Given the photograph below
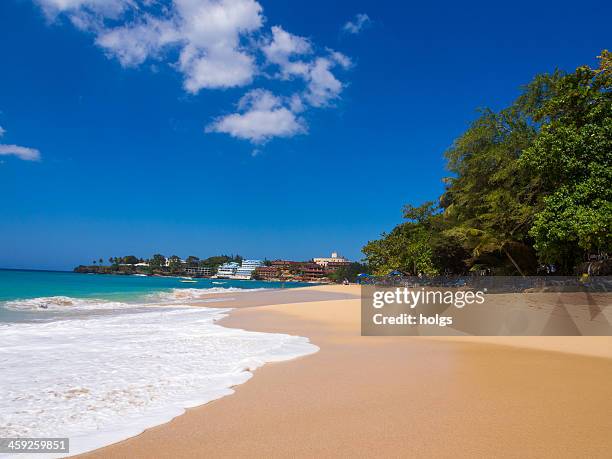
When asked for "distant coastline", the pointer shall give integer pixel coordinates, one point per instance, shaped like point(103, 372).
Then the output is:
point(83, 269)
point(333, 269)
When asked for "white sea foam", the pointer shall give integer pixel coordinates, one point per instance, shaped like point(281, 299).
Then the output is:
point(186, 294)
point(65, 303)
point(105, 378)
point(62, 303)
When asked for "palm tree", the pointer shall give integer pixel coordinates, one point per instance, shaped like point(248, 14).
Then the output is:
point(486, 241)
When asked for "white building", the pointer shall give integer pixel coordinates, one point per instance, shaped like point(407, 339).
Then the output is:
point(335, 260)
point(200, 271)
point(228, 270)
point(181, 261)
point(248, 268)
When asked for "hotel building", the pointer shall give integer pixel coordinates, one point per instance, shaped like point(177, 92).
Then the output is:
point(268, 272)
point(247, 269)
point(203, 271)
point(233, 270)
point(335, 261)
point(227, 270)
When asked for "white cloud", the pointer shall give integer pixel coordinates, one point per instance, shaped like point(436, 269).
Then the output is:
point(208, 34)
point(223, 68)
point(343, 60)
point(357, 24)
point(259, 126)
point(2, 131)
point(259, 99)
point(212, 56)
point(282, 47)
point(296, 103)
point(207, 23)
point(135, 43)
point(25, 153)
point(108, 8)
point(261, 116)
point(85, 14)
point(323, 86)
point(220, 44)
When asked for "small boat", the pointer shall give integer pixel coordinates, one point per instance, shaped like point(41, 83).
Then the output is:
point(188, 280)
point(220, 283)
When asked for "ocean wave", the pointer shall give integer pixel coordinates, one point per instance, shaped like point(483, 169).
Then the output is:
point(107, 378)
point(177, 295)
point(62, 303)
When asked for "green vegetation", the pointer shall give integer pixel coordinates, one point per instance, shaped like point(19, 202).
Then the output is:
point(530, 185)
point(158, 264)
point(349, 272)
point(216, 261)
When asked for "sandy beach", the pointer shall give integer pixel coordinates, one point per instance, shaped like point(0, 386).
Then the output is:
point(394, 396)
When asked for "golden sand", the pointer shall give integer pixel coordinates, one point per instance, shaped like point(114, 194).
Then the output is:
point(397, 396)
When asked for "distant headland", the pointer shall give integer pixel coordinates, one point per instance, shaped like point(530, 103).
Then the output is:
point(334, 268)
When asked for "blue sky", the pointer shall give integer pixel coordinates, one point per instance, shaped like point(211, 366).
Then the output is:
point(265, 128)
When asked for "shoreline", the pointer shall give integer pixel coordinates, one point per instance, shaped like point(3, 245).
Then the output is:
point(393, 395)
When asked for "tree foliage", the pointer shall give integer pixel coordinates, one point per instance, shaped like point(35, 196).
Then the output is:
point(532, 182)
point(349, 272)
point(572, 158)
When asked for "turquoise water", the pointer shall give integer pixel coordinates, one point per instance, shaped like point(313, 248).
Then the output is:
point(100, 358)
point(30, 285)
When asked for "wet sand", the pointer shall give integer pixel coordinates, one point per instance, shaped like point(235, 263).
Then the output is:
point(396, 396)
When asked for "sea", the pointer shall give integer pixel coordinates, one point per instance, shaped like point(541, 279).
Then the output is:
point(100, 358)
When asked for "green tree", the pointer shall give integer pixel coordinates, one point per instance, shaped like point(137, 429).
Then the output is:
point(174, 264)
point(529, 182)
point(130, 260)
point(489, 201)
point(572, 157)
point(158, 261)
point(349, 272)
point(214, 262)
point(192, 261)
point(407, 247)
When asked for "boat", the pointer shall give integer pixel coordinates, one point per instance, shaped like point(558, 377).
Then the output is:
point(188, 280)
point(219, 283)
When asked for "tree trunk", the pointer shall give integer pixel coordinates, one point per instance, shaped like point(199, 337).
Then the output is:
point(512, 260)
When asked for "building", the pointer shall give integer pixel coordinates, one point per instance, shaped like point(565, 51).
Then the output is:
point(180, 260)
point(267, 272)
point(312, 272)
point(286, 264)
point(203, 271)
point(333, 265)
point(228, 270)
point(247, 269)
point(335, 260)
